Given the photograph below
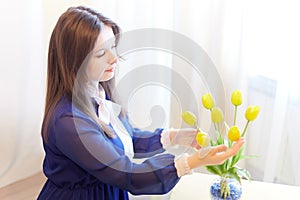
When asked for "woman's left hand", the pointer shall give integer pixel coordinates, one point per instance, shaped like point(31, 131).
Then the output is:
point(183, 137)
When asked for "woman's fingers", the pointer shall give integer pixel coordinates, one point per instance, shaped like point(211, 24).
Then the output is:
point(236, 147)
point(231, 151)
point(218, 154)
point(219, 149)
point(203, 152)
point(215, 155)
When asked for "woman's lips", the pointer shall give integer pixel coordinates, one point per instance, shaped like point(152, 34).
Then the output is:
point(110, 69)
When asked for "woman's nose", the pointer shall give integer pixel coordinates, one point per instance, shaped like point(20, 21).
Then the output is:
point(112, 58)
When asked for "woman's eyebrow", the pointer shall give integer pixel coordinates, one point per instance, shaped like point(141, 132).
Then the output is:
point(106, 46)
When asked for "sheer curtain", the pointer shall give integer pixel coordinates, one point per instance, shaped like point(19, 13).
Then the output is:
point(252, 44)
point(22, 89)
point(270, 49)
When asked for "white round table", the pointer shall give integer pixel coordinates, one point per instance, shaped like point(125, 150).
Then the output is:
point(197, 185)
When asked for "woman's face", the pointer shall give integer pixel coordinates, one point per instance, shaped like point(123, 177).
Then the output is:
point(103, 60)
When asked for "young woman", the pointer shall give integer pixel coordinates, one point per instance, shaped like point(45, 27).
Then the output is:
point(87, 138)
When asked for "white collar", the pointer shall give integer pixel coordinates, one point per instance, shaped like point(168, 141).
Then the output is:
point(109, 107)
point(109, 112)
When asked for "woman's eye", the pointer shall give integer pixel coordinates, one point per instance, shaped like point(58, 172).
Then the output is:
point(100, 54)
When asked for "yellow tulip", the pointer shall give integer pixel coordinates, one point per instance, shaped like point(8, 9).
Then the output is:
point(208, 101)
point(189, 118)
point(216, 115)
point(234, 133)
point(236, 98)
point(202, 139)
point(252, 112)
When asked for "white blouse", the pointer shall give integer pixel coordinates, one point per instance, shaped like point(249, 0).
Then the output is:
point(109, 112)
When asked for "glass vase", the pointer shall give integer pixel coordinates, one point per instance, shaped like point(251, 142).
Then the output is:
point(225, 189)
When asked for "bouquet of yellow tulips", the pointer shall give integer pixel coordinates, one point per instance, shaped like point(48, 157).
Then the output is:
point(228, 169)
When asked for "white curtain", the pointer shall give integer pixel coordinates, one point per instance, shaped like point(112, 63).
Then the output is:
point(270, 46)
point(252, 44)
point(22, 89)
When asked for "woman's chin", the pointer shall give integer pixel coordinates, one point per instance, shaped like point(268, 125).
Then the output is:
point(107, 76)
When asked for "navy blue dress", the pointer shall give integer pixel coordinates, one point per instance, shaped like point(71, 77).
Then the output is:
point(83, 163)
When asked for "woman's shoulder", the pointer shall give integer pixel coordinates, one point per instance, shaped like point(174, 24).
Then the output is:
point(63, 107)
point(68, 118)
point(66, 108)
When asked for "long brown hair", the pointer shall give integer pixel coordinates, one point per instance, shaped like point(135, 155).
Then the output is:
point(72, 40)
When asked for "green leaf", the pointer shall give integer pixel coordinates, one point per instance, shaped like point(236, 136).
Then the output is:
point(248, 156)
point(244, 173)
point(232, 170)
point(228, 163)
point(214, 169)
point(226, 126)
point(233, 173)
point(229, 143)
point(237, 157)
point(223, 167)
point(213, 143)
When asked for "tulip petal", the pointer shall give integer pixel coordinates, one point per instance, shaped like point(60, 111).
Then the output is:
point(216, 115)
point(208, 101)
point(202, 139)
point(236, 98)
point(252, 112)
point(234, 133)
point(189, 118)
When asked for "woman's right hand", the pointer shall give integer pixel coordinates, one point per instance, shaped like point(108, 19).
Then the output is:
point(215, 155)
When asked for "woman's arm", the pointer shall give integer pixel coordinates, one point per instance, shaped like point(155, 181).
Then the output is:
point(145, 143)
point(83, 142)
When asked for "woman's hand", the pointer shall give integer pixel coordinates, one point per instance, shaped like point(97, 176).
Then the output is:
point(215, 155)
point(184, 137)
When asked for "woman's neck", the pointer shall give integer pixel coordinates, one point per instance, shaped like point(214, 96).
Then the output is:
point(96, 89)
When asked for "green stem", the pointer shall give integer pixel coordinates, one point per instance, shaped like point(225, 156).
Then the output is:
point(244, 131)
point(215, 125)
point(198, 128)
point(225, 189)
point(229, 143)
point(235, 111)
point(226, 126)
